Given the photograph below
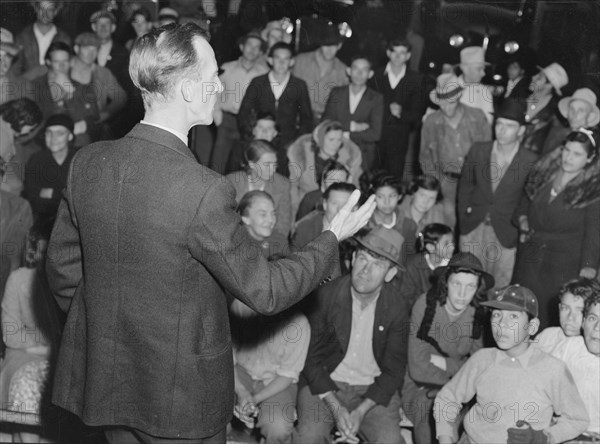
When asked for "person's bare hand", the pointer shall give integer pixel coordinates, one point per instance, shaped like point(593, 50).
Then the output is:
point(46, 193)
point(395, 109)
point(218, 116)
point(587, 272)
point(344, 425)
point(347, 222)
point(80, 127)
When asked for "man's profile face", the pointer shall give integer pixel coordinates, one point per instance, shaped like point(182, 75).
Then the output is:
point(208, 86)
point(369, 273)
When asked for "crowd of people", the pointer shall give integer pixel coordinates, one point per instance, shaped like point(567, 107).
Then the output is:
point(475, 277)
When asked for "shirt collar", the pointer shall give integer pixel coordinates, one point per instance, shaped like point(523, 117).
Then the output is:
point(176, 133)
point(285, 81)
point(388, 70)
point(523, 359)
point(356, 300)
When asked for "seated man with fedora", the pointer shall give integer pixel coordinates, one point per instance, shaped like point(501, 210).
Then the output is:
point(357, 355)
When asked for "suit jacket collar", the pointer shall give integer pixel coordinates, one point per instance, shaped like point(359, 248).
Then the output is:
point(155, 135)
point(509, 174)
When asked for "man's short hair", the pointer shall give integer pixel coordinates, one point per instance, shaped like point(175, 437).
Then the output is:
point(282, 45)
point(339, 186)
point(361, 57)
point(330, 166)
point(162, 57)
point(57, 46)
point(399, 42)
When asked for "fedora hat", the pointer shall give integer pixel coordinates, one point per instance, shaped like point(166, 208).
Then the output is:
point(556, 75)
point(384, 242)
point(447, 86)
point(473, 55)
point(466, 262)
point(586, 95)
point(7, 42)
point(512, 109)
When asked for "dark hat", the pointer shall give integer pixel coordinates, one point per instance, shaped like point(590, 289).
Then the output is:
point(384, 242)
point(253, 35)
point(330, 35)
point(512, 109)
point(514, 298)
point(88, 39)
point(62, 120)
point(103, 13)
point(467, 262)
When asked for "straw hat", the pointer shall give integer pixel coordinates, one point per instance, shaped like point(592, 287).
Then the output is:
point(585, 95)
point(7, 42)
point(556, 75)
point(447, 86)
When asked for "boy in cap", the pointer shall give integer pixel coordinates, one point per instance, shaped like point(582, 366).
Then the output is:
point(522, 394)
point(486, 202)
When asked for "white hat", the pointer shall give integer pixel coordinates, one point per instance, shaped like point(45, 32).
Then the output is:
point(586, 95)
point(275, 24)
point(7, 42)
point(447, 86)
point(473, 55)
point(556, 75)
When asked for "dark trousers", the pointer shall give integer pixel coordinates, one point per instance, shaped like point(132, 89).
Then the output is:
point(122, 435)
point(393, 147)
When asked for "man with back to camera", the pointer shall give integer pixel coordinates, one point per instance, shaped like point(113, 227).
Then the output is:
point(140, 256)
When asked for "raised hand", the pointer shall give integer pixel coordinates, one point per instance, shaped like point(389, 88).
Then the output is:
point(347, 222)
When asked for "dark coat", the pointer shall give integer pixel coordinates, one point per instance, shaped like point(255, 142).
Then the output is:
point(476, 198)
point(369, 110)
point(146, 242)
point(292, 111)
point(118, 64)
point(416, 279)
point(27, 63)
point(331, 323)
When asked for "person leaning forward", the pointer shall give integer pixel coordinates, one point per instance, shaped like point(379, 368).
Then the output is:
point(145, 244)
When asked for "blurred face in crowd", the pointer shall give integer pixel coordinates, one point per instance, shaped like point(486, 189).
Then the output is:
point(58, 138)
point(334, 203)
point(508, 131)
point(514, 71)
point(328, 52)
point(539, 83)
point(334, 176)
point(265, 166)
point(282, 61)
point(332, 142)
point(574, 157)
point(399, 56)
point(473, 72)
point(461, 291)
point(251, 49)
point(387, 199)
point(46, 12)
point(443, 248)
point(578, 113)
point(274, 36)
point(140, 25)
point(260, 218)
point(570, 310)
point(264, 129)
point(360, 71)
point(423, 200)
point(5, 63)
point(59, 62)
point(370, 272)
point(591, 330)
point(87, 54)
point(104, 28)
point(448, 107)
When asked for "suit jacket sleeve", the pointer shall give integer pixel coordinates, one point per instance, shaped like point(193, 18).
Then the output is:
point(221, 244)
point(331, 106)
point(467, 184)
point(591, 237)
point(284, 210)
point(63, 266)
point(305, 111)
point(373, 133)
point(413, 110)
point(248, 108)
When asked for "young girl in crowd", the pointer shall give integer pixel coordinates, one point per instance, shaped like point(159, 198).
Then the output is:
point(435, 247)
point(447, 328)
point(388, 192)
point(260, 163)
point(572, 297)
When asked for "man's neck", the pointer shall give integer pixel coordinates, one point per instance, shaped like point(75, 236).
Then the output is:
point(80, 64)
point(247, 64)
point(61, 155)
point(280, 77)
point(507, 148)
point(170, 117)
point(365, 298)
point(106, 41)
point(396, 69)
point(44, 28)
point(357, 89)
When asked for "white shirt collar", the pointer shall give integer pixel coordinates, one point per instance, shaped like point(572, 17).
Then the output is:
point(393, 78)
point(277, 87)
point(179, 135)
point(44, 41)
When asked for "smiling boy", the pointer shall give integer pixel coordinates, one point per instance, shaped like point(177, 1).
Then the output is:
point(517, 387)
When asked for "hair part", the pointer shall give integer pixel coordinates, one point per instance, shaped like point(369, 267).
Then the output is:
point(248, 200)
point(427, 182)
point(339, 186)
point(398, 42)
point(431, 235)
point(282, 45)
point(330, 166)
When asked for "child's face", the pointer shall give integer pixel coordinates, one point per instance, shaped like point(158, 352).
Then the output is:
point(591, 330)
point(260, 219)
point(387, 199)
point(461, 290)
point(570, 310)
point(511, 329)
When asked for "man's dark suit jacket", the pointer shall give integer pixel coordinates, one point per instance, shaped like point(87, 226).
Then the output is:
point(331, 324)
point(146, 242)
point(476, 198)
point(27, 63)
point(118, 64)
point(369, 110)
point(292, 111)
point(410, 94)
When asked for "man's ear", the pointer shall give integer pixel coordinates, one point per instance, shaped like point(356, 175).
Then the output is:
point(94, 27)
point(408, 56)
point(113, 28)
point(522, 129)
point(353, 257)
point(187, 90)
point(348, 71)
point(292, 62)
point(270, 61)
point(533, 327)
point(76, 49)
point(241, 48)
point(391, 273)
point(246, 220)
point(371, 73)
point(70, 138)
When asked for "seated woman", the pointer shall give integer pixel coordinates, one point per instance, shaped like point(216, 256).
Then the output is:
point(47, 171)
point(260, 163)
point(269, 352)
point(558, 220)
point(435, 247)
point(448, 324)
point(310, 152)
point(31, 329)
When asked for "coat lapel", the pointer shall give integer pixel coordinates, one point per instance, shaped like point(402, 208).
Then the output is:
point(342, 318)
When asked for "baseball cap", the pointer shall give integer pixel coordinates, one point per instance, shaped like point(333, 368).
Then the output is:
point(513, 297)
